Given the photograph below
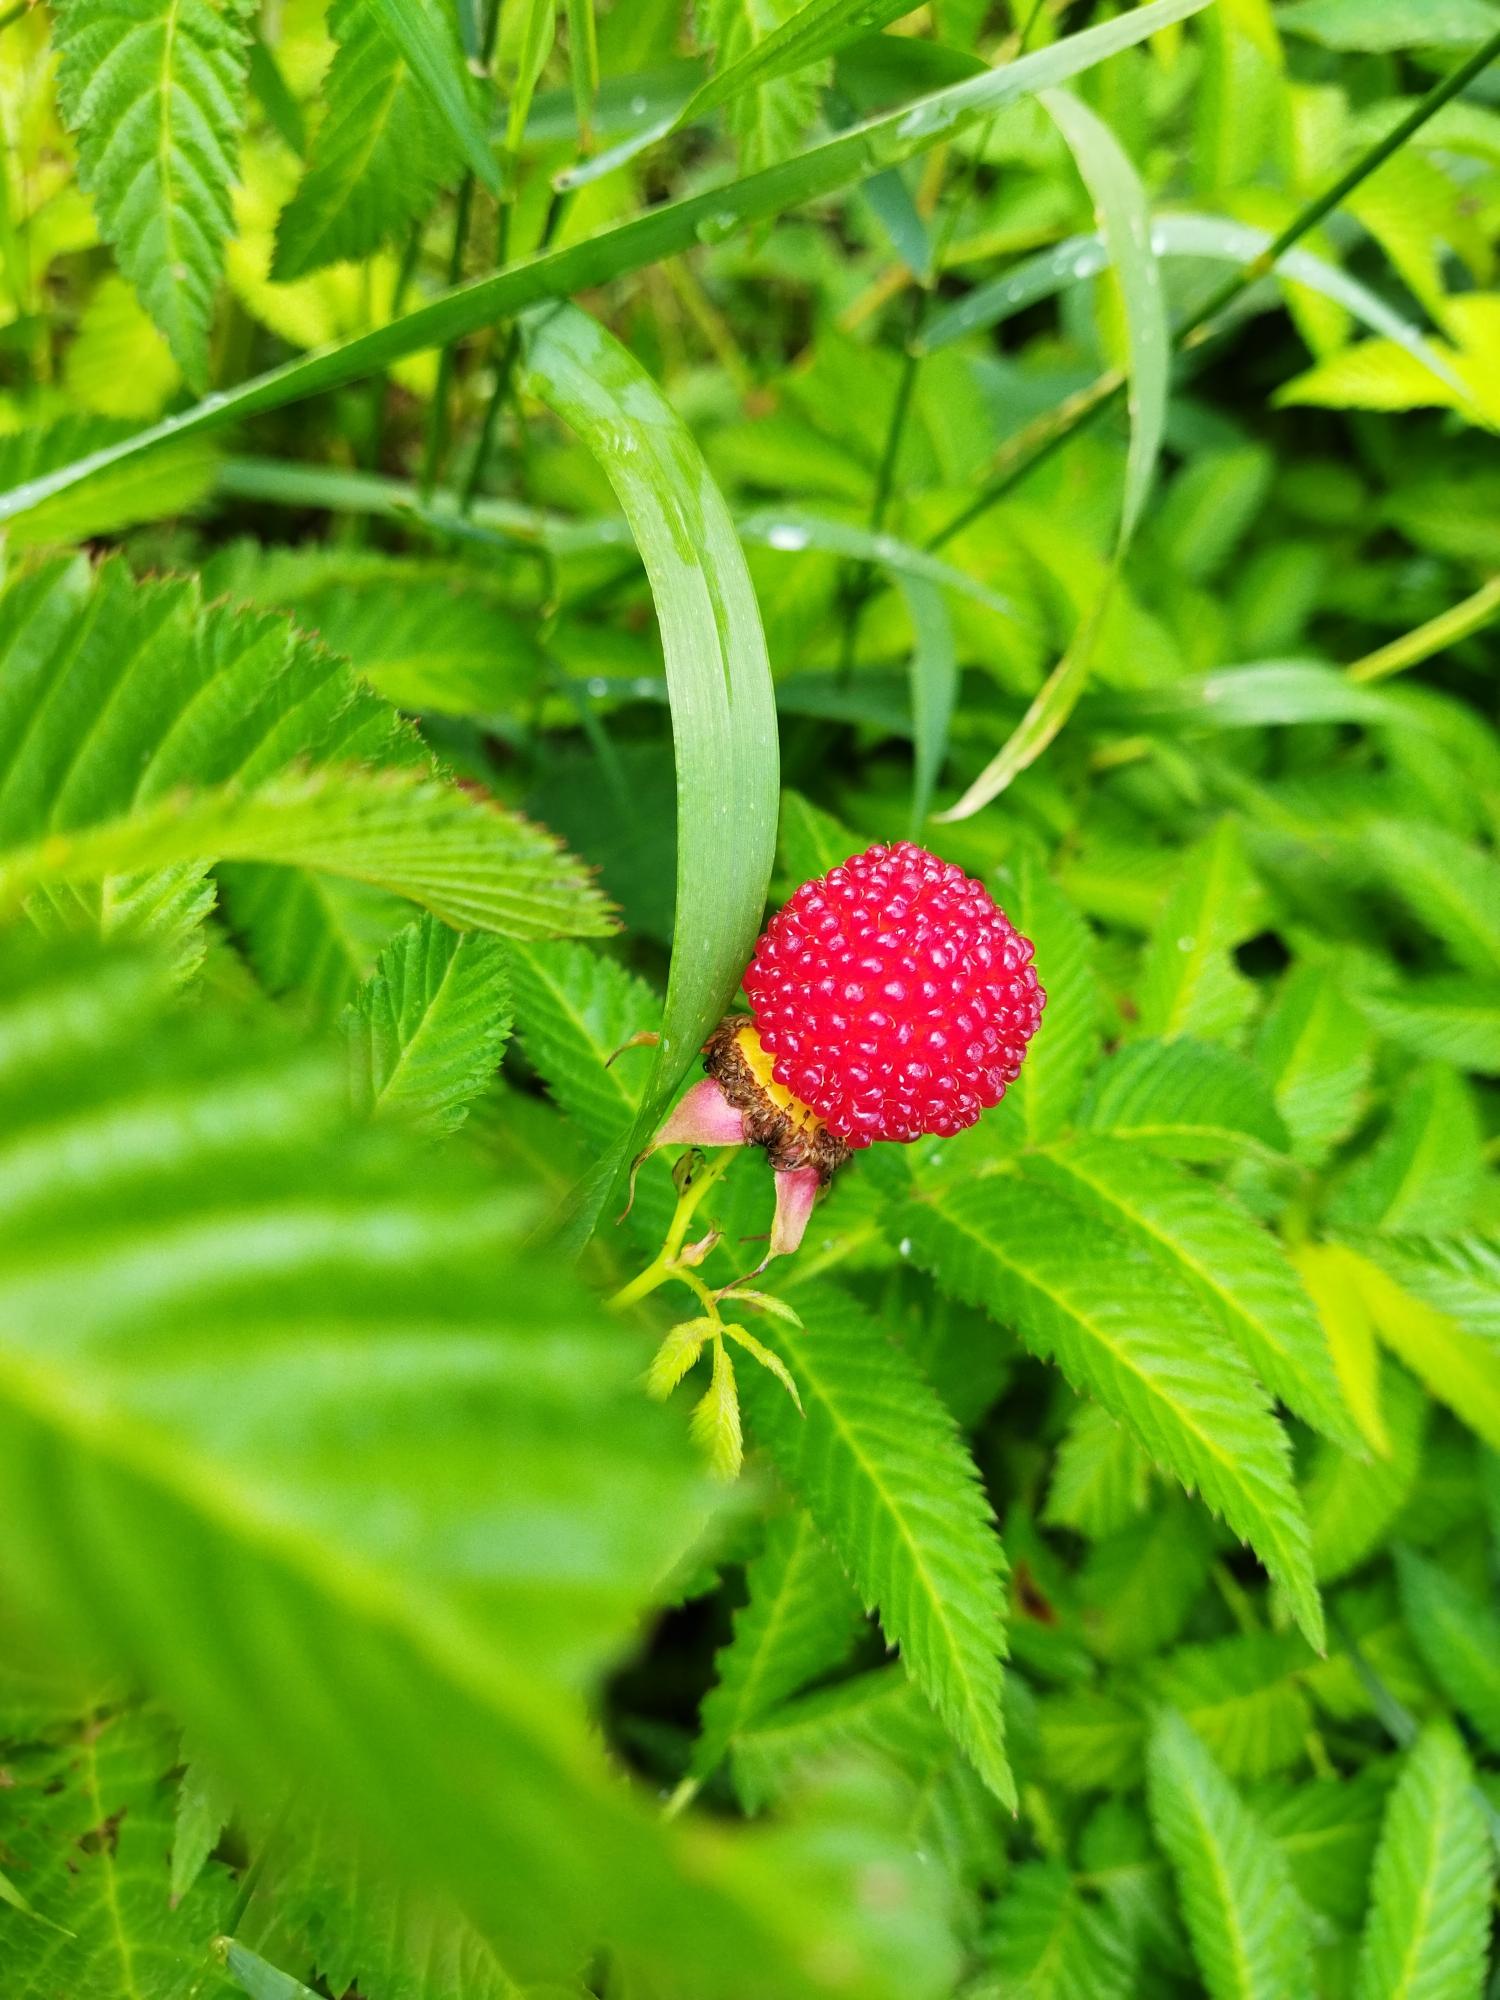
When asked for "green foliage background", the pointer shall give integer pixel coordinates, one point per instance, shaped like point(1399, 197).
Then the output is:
point(494, 496)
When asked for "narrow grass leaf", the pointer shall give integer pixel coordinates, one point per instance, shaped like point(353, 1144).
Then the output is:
point(824, 169)
point(1124, 216)
point(718, 677)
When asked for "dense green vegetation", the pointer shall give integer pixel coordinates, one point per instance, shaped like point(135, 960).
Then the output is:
point(494, 496)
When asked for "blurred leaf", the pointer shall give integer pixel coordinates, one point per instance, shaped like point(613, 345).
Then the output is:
point(1459, 1367)
point(1390, 24)
point(1452, 888)
point(1318, 1055)
point(1190, 984)
point(1458, 1635)
point(1248, 1926)
point(1101, 1479)
point(1190, 1099)
point(1346, 1324)
point(313, 1362)
point(1429, 1904)
point(1047, 1942)
point(1352, 1501)
point(1426, 1170)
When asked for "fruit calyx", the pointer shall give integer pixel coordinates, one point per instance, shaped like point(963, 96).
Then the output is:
point(772, 1116)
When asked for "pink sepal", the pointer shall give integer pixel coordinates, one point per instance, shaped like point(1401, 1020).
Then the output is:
point(795, 1194)
point(704, 1117)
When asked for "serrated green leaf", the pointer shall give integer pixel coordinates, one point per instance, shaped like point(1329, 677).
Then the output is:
point(429, 1026)
point(86, 1820)
point(1451, 887)
point(154, 91)
point(1100, 1477)
point(1351, 1502)
point(880, 1466)
point(424, 34)
point(575, 1011)
point(766, 78)
point(1191, 1099)
point(1458, 1635)
point(426, 636)
point(1048, 1942)
point(1317, 1054)
point(1243, 1698)
point(313, 1362)
point(1065, 1045)
point(1350, 1336)
point(715, 1423)
point(381, 153)
point(1248, 1926)
point(347, 1921)
point(203, 1809)
point(798, 1622)
point(1079, 1294)
point(1189, 982)
point(201, 726)
point(1237, 1271)
point(1460, 1368)
point(676, 1355)
point(1426, 1170)
point(1426, 1933)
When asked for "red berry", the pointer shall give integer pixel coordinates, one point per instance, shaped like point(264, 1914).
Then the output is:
point(894, 996)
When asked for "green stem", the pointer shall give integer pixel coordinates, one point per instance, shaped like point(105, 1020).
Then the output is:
point(665, 1265)
point(1434, 637)
point(437, 416)
point(1201, 327)
point(506, 367)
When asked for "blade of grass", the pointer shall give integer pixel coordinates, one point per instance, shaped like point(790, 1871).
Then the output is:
point(718, 679)
point(838, 163)
point(1124, 216)
point(1044, 437)
point(1456, 623)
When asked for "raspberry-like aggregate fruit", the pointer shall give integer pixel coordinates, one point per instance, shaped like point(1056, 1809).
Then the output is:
point(894, 996)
